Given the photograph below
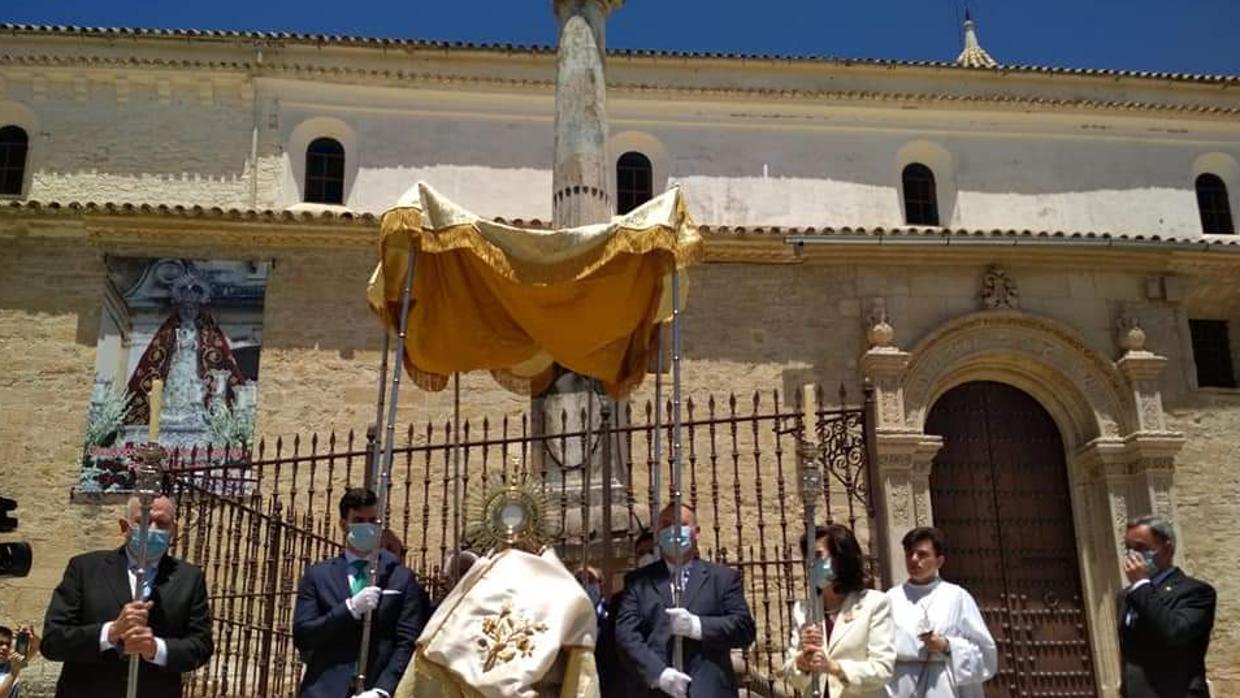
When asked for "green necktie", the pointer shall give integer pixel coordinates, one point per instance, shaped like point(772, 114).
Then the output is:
point(360, 577)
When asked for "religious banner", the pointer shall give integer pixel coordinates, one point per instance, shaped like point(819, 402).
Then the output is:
point(195, 325)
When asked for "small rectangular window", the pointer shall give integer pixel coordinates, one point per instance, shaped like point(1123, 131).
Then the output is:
point(1212, 353)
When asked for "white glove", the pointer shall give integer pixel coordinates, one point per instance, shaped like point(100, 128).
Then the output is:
point(674, 683)
point(685, 624)
point(365, 600)
point(372, 693)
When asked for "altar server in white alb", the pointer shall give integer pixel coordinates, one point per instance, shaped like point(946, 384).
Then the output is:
point(943, 649)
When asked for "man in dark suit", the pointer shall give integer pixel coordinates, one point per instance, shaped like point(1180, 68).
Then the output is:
point(1165, 618)
point(713, 619)
point(613, 677)
point(93, 624)
point(333, 598)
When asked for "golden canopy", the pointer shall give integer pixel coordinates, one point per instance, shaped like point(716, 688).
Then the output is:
point(515, 300)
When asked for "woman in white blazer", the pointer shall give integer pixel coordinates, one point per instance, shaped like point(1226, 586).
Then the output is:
point(853, 649)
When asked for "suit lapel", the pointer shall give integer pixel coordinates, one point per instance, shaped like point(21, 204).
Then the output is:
point(662, 581)
point(697, 578)
point(338, 578)
point(845, 621)
point(117, 574)
point(165, 577)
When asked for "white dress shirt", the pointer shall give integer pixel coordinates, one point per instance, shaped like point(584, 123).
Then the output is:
point(161, 648)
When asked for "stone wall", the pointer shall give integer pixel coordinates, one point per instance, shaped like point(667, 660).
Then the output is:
point(747, 327)
point(1207, 488)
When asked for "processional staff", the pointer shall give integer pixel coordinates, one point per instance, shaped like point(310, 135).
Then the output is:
point(146, 483)
point(678, 582)
point(810, 485)
point(383, 477)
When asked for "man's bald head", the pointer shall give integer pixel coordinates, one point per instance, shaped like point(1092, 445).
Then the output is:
point(163, 514)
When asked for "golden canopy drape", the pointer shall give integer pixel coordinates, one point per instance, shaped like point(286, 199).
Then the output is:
point(515, 300)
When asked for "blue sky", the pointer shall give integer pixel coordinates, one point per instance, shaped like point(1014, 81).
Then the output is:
point(1169, 35)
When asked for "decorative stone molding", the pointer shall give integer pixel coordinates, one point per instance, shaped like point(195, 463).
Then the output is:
point(879, 332)
point(385, 66)
point(1131, 336)
point(1120, 453)
point(1041, 356)
point(999, 290)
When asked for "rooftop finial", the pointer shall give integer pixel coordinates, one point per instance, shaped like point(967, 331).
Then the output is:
point(973, 55)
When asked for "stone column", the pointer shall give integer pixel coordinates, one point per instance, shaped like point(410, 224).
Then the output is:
point(581, 195)
point(904, 452)
point(1152, 447)
point(1101, 502)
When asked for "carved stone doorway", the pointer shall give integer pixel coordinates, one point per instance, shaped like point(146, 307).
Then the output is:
point(1000, 493)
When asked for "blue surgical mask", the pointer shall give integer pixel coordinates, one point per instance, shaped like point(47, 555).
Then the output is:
point(363, 537)
point(821, 574)
point(671, 543)
point(156, 543)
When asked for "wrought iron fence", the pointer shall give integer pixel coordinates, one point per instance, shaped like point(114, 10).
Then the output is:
point(254, 527)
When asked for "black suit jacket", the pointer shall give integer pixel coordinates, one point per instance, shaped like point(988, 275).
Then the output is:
point(643, 630)
point(329, 638)
point(94, 589)
point(1164, 651)
point(612, 676)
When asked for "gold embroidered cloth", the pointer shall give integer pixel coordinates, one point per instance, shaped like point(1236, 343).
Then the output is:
point(514, 300)
point(516, 626)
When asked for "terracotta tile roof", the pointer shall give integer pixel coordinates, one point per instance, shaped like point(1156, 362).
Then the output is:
point(957, 236)
point(378, 42)
point(839, 235)
point(71, 209)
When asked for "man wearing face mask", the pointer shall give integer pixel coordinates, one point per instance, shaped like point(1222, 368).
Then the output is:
point(713, 619)
point(1165, 618)
point(93, 624)
point(333, 599)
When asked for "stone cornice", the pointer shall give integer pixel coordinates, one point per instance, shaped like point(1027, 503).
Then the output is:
point(147, 224)
point(338, 72)
point(266, 39)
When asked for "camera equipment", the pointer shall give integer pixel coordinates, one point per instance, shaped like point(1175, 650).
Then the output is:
point(7, 522)
point(15, 558)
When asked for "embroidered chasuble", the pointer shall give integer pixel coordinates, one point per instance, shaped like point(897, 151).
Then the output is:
point(517, 625)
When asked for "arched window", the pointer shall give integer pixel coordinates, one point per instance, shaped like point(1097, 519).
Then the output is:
point(325, 171)
point(13, 146)
point(634, 181)
point(921, 203)
point(1213, 205)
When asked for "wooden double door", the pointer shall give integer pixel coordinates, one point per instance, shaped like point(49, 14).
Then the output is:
point(999, 489)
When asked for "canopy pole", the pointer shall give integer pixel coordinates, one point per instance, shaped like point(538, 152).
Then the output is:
point(376, 452)
point(656, 500)
point(457, 514)
point(678, 582)
point(385, 469)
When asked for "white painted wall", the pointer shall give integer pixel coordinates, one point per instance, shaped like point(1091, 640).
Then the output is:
point(741, 160)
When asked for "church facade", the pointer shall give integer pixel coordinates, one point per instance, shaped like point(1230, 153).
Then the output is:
point(1034, 268)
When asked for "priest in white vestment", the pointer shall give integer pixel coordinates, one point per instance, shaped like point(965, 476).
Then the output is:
point(517, 624)
point(943, 648)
